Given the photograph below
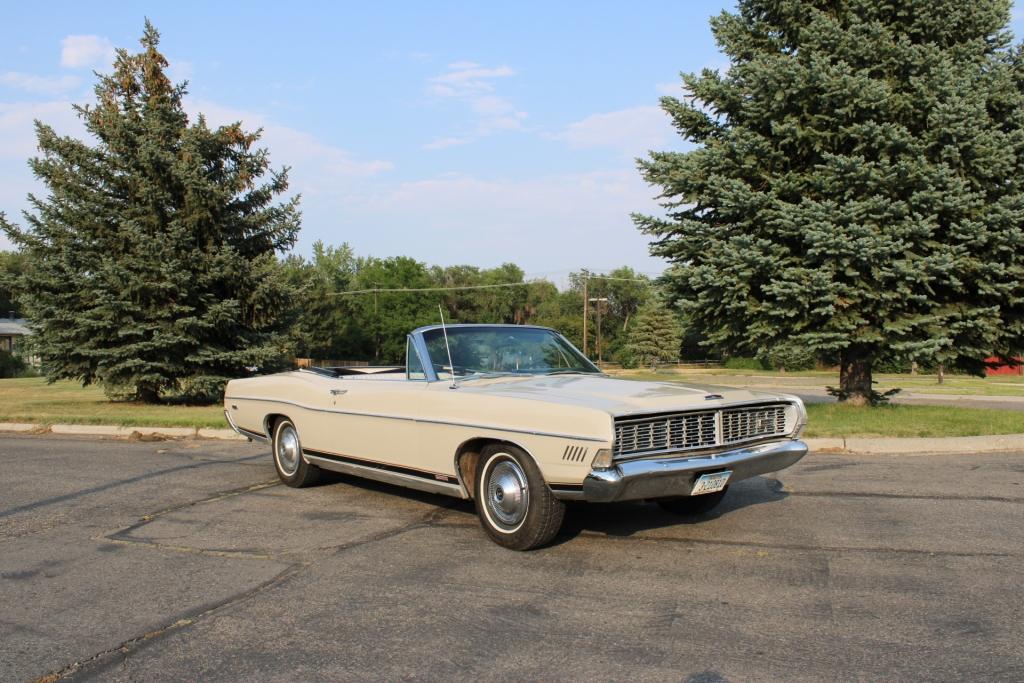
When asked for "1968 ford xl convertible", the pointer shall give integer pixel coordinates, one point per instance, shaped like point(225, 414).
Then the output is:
point(518, 420)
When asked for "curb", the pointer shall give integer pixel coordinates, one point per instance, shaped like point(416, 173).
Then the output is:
point(123, 432)
point(919, 445)
point(871, 446)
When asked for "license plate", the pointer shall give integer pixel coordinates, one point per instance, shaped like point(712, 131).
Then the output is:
point(710, 483)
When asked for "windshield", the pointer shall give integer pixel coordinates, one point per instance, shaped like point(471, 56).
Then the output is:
point(478, 351)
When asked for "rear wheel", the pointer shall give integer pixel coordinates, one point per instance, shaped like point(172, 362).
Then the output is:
point(516, 507)
point(291, 467)
point(693, 505)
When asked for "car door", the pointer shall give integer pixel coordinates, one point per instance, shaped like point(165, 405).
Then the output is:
point(373, 417)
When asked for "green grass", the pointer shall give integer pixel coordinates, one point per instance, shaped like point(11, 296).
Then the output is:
point(832, 420)
point(998, 385)
point(33, 400)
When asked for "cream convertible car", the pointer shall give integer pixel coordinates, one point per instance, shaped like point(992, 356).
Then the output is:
point(517, 419)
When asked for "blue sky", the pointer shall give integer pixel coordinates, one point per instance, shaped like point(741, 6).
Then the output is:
point(451, 132)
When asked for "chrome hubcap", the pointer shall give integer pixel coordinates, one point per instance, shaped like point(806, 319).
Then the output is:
point(507, 494)
point(288, 450)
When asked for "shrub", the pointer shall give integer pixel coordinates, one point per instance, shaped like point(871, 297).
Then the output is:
point(791, 358)
point(627, 359)
point(10, 365)
point(743, 363)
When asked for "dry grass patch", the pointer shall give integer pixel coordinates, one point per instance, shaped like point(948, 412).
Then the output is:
point(33, 400)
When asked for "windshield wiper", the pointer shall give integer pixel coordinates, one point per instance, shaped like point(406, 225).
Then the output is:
point(485, 375)
point(570, 372)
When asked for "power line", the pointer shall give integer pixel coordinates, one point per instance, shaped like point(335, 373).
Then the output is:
point(376, 290)
point(624, 279)
point(431, 289)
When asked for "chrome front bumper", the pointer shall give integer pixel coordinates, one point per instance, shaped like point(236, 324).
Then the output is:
point(664, 477)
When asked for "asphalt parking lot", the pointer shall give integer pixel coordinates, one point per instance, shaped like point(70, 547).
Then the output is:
point(184, 560)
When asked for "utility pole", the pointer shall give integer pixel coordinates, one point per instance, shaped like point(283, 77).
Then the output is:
point(585, 311)
point(376, 325)
point(599, 301)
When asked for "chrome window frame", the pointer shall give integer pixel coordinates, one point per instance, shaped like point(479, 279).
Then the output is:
point(419, 345)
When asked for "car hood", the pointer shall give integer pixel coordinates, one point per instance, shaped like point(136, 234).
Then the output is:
point(612, 395)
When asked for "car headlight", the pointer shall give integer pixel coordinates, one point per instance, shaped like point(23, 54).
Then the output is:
point(603, 459)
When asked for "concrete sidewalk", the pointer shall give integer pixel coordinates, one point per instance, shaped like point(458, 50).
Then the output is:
point(111, 430)
point(895, 446)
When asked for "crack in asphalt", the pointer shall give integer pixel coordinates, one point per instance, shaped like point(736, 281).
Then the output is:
point(797, 546)
point(102, 661)
point(301, 560)
point(901, 496)
point(614, 537)
point(63, 498)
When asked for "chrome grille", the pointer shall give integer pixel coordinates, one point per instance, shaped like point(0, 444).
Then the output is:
point(670, 432)
point(694, 430)
point(743, 424)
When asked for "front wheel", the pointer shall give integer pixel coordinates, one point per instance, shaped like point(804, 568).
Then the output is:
point(693, 505)
point(516, 507)
point(291, 467)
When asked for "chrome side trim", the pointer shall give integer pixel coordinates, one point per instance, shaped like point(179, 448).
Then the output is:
point(245, 432)
point(492, 428)
point(397, 478)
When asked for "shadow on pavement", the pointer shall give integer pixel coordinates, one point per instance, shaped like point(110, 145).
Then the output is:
point(627, 519)
point(611, 519)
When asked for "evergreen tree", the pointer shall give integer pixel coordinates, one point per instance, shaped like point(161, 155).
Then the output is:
point(857, 184)
point(11, 265)
point(151, 267)
point(654, 336)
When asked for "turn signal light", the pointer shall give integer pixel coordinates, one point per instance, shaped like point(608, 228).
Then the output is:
point(603, 459)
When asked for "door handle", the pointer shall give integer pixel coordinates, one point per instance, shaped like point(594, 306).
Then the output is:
point(338, 392)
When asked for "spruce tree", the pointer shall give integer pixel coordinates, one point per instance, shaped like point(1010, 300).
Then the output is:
point(151, 265)
point(654, 336)
point(856, 189)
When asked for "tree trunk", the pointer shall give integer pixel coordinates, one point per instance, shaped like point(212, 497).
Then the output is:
point(147, 394)
point(942, 373)
point(855, 376)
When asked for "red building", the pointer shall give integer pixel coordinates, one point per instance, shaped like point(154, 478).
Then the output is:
point(1003, 369)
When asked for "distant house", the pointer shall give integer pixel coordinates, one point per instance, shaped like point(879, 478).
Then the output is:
point(11, 332)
